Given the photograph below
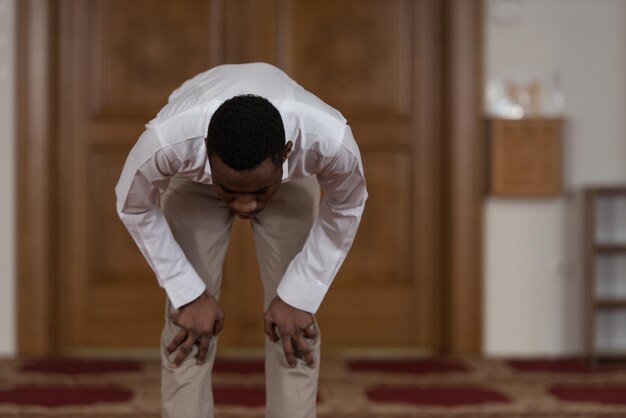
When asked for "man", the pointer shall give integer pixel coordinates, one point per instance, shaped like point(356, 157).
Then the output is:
point(243, 140)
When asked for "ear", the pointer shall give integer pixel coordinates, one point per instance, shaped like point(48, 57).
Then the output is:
point(210, 159)
point(287, 150)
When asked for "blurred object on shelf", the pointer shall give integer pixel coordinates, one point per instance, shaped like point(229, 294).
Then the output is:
point(517, 97)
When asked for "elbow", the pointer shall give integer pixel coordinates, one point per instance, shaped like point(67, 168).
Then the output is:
point(126, 212)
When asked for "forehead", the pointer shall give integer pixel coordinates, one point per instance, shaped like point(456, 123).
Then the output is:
point(246, 181)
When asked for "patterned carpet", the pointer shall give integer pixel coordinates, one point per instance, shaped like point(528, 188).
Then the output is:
point(349, 388)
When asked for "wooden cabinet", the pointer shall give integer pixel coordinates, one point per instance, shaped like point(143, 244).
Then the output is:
point(605, 293)
point(525, 157)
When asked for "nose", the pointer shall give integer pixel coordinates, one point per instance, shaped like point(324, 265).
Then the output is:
point(245, 204)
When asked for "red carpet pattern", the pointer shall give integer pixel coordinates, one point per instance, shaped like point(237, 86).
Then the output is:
point(349, 388)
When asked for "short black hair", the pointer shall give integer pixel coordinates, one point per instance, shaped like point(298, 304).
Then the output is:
point(246, 130)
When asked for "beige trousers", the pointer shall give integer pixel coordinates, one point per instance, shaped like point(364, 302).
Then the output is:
point(201, 224)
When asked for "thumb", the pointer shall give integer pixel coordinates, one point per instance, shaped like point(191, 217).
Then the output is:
point(219, 325)
point(311, 331)
point(174, 316)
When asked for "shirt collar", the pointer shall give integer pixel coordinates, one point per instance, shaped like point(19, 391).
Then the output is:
point(207, 168)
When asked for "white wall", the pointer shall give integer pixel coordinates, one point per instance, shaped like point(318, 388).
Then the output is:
point(7, 178)
point(533, 247)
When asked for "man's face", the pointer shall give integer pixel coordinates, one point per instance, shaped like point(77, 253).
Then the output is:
point(246, 192)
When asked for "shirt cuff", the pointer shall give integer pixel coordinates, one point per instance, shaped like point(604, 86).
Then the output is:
point(184, 289)
point(302, 294)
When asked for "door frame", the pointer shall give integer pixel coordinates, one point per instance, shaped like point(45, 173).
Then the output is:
point(463, 178)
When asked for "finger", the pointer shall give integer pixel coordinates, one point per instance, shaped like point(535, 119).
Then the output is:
point(218, 326)
point(176, 341)
point(270, 331)
point(310, 331)
point(205, 342)
point(305, 350)
point(184, 350)
point(288, 349)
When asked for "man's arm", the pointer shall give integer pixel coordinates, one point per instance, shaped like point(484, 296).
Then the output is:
point(145, 176)
point(311, 272)
point(309, 275)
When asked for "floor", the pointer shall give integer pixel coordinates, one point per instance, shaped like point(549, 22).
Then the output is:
point(349, 388)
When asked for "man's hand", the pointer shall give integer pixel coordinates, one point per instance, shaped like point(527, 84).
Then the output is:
point(200, 320)
point(293, 326)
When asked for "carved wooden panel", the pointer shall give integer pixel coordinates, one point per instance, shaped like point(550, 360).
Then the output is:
point(142, 49)
point(113, 254)
point(369, 316)
point(381, 252)
point(355, 54)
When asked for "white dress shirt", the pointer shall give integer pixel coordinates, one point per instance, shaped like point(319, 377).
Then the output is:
point(173, 144)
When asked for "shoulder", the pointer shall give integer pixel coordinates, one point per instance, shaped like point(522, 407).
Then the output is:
point(175, 127)
point(313, 127)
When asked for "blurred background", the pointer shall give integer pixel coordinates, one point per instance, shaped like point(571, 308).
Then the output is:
point(445, 262)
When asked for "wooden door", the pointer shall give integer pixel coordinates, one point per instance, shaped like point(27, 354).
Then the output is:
point(375, 60)
point(119, 60)
point(378, 61)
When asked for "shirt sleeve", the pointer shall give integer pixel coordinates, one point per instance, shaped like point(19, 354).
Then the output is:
point(144, 177)
point(311, 272)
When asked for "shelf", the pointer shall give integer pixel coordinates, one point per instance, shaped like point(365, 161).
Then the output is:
point(610, 248)
point(610, 303)
point(608, 190)
point(597, 202)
